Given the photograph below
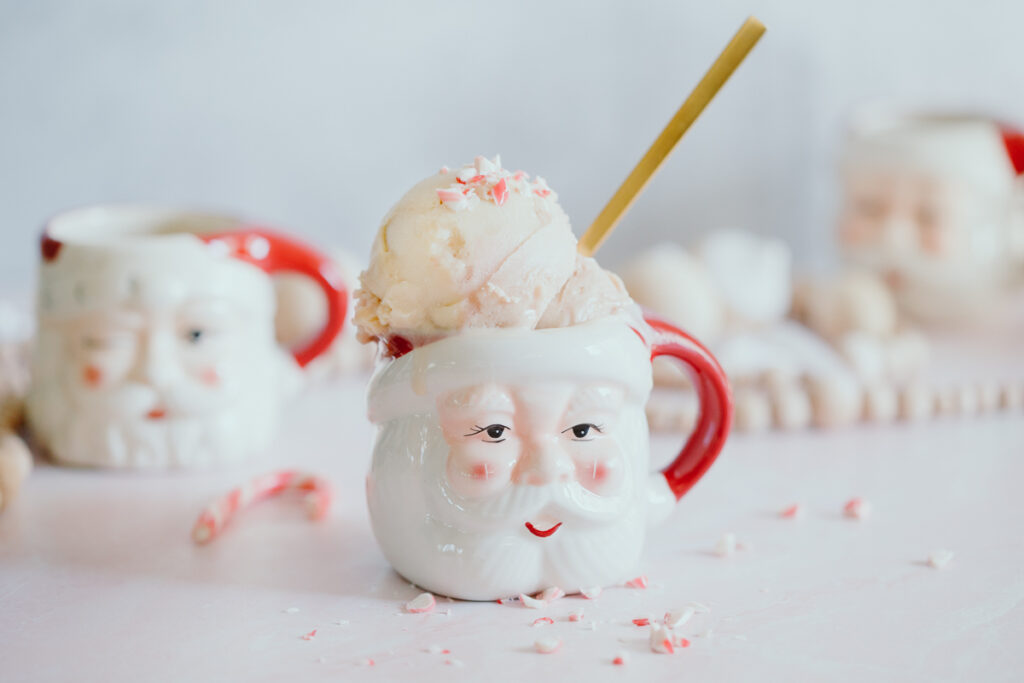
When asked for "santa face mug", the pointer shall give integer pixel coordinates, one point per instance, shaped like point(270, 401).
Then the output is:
point(509, 461)
point(934, 203)
point(155, 343)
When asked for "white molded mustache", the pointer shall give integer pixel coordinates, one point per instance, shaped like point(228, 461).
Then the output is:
point(134, 398)
point(519, 503)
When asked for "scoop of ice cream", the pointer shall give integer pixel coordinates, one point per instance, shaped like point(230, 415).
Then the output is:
point(474, 248)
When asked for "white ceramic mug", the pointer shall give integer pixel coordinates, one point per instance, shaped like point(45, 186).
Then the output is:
point(934, 203)
point(155, 344)
point(509, 461)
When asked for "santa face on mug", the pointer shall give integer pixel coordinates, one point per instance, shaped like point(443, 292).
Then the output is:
point(157, 364)
point(548, 477)
point(930, 204)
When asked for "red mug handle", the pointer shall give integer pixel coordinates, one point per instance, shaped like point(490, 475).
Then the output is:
point(273, 252)
point(715, 415)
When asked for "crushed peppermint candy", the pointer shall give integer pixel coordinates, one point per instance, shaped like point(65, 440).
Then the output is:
point(437, 650)
point(726, 546)
point(424, 602)
point(532, 603)
point(547, 646)
point(543, 621)
point(454, 662)
point(576, 616)
point(486, 180)
point(551, 594)
point(794, 511)
point(857, 508)
point(683, 642)
point(940, 558)
point(309, 636)
point(638, 582)
point(620, 659)
point(642, 621)
point(661, 640)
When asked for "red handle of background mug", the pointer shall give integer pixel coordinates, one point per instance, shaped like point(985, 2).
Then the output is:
point(715, 415)
point(273, 253)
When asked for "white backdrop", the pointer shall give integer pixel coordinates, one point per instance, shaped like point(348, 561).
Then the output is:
point(316, 116)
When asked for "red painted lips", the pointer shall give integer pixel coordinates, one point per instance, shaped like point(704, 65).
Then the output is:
point(156, 414)
point(542, 533)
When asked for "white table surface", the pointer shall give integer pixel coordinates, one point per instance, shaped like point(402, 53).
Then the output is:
point(100, 582)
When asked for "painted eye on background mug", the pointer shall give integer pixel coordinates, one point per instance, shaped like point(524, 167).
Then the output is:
point(195, 335)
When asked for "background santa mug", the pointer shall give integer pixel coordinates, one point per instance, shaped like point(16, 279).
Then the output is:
point(509, 461)
point(156, 343)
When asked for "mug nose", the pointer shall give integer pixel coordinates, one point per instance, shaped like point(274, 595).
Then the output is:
point(542, 462)
point(155, 364)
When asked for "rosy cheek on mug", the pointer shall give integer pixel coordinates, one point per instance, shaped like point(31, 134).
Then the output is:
point(602, 476)
point(210, 377)
point(476, 476)
point(92, 376)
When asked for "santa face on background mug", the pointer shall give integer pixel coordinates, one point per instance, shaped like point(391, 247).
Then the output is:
point(932, 204)
point(163, 378)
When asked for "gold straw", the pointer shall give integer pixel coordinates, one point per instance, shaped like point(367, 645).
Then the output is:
point(733, 54)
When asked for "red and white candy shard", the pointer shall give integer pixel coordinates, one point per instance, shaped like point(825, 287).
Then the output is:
point(683, 642)
point(620, 659)
point(486, 180)
point(532, 603)
point(857, 508)
point(424, 602)
point(551, 594)
point(576, 616)
point(792, 512)
point(642, 621)
point(543, 621)
point(726, 546)
point(661, 640)
point(940, 558)
point(591, 593)
point(309, 636)
point(546, 646)
point(638, 582)
point(676, 618)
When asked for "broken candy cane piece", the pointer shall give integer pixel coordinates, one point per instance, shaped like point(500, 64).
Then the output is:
point(683, 642)
point(638, 582)
point(661, 640)
point(546, 646)
point(676, 618)
point(309, 636)
point(576, 616)
point(543, 621)
point(591, 593)
point(551, 594)
point(424, 602)
point(532, 603)
point(857, 508)
point(726, 546)
point(792, 512)
point(449, 195)
point(216, 515)
point(620, 659)
point(500, 192)
point(940, 558)
point(642, 621)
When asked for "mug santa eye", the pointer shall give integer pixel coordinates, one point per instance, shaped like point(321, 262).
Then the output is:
point(494, 433)
point(583, 431)
point(195, 335)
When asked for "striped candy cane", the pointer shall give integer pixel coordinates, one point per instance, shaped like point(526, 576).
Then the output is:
point(317, 497)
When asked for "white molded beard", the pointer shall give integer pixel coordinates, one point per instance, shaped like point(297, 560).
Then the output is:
point(482, 550)
point(202, 428)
